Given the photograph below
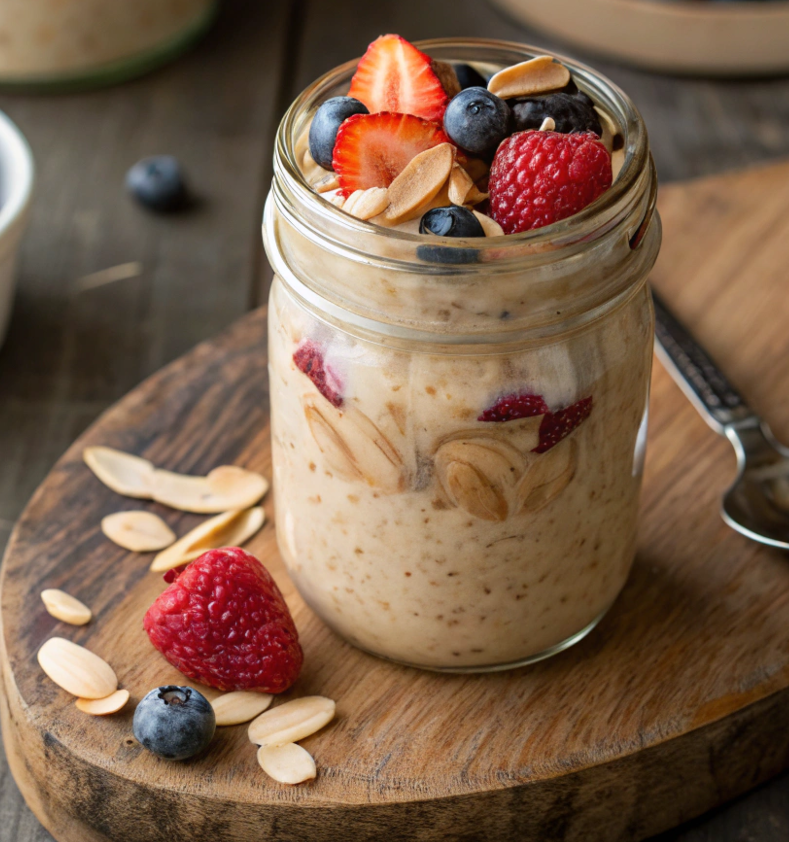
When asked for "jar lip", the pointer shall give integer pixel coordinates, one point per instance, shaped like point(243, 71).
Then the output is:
point(599, 216)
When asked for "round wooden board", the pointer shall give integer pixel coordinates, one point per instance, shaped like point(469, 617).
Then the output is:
point(678, 701)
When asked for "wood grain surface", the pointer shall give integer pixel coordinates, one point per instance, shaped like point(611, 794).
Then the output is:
point(678, 701)
point(72, 352)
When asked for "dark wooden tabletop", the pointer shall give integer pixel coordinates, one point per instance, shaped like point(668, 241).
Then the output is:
point(78, 343)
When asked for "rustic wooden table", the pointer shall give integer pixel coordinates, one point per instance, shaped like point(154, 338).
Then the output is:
point(77, 345)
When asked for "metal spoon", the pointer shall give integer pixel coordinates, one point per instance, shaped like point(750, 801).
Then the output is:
point(757, 504)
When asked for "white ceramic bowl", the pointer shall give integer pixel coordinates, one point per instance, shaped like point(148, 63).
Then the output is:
point(681, 36)
point(16, 187)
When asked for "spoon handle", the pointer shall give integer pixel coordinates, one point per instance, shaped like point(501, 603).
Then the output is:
point(718, 402)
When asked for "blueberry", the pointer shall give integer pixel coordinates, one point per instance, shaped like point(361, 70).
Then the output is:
point(326, 123)
point(174, 722)
point(477, 121)
point(572, 112)
point(469, 77)
point(451, 221)
point(158, 183)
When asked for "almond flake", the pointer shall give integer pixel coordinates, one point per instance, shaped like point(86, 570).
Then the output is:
point(365, 204)
point(77, 670)
point(239, 706)
point(548, 125)
point(489, 226)
point(549, 476)
point(460, 185)
point(335, 197)
point(66, 608)
point(102, 707)
point(230, 529)
point(292, 721)
point(138, 531)
point(288, 764)
point(122, 472)
point(537, 76)
point(328, 182)
point(225, 488)
point(419, 183)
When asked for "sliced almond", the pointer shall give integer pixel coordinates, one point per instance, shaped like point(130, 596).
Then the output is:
point(548, 124)
point(239, 706)
point(447, 76)
point(292, 721)
point(102, 707)
point(225, 488)
point(419, 183)
point(550, 474)
point(230, 529)
point(489, 226)
point(288, 764)
point(460, 185)
point(122, 472)
point(328, 182)
point(335, 197)
point(77, 670)
point(66, 608)
point(138, 531)
point(536, 76)
point(365, 204)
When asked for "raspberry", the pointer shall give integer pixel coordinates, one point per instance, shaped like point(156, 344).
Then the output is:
point(309, 359)
point(223, 622)
point(541, 177)
point(512, 407)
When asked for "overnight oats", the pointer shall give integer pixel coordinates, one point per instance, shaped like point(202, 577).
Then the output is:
point(460, 345)
point(62, 43)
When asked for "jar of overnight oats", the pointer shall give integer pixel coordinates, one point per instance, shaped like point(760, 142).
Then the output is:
point(62, 44)
point(418, 516)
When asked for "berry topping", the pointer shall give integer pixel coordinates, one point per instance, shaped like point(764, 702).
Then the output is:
point(515, 406)
point(558, 425)
point(468, 77)
point(572, 112)
point(477, 121)
point(224, 623)
point(541, 177)
point(309, 360)
point(394, 76)
point(373, 149)
point(452, 221)
point(174, 722)
point(158, 183)
point(326, 123)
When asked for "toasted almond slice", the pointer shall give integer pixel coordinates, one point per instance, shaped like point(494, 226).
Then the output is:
point(138, 531)
point(365, 204)
point(489, 226)
point(77, 670)
point(326, 183)
point(226, 488)
point(122, 472)
point(230, 529)
point(239, 706)
point(475, 196)
point(548, 125)
point(536, 76)
point(66, 608)
point(102, 707)
point(419, 182)
point(460, 184)
point(288, 764)
point(292, 721)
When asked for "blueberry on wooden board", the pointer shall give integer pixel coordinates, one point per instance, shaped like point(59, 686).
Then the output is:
point(158, 183)
point(174, 722)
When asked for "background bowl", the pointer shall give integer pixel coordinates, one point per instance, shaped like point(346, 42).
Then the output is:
point(680, 36)
point(16, 186)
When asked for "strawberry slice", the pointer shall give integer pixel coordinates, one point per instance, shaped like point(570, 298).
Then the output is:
point(371, 150)
point(394, 76)
point(558, 425)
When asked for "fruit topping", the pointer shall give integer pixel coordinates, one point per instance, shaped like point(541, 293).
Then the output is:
point(515, 406)
point(541, 177)
point(174, 722)
point(373, 149)
point(158, 183)
point(536, 76)
point(326, 123)
point(477, 121)
point(468, 77)
point(223, 622)
point(394, 76)
point(571, 112)
point(309, 360)
point(556, 426)
point(452, 221)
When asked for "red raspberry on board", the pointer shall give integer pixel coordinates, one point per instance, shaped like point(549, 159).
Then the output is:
point(512, 407)
point(558, 425)
point(223, 622)
point(309, 360)
point(541, 177)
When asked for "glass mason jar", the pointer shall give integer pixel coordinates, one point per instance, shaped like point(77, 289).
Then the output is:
point(413, 523)
point(65, 44)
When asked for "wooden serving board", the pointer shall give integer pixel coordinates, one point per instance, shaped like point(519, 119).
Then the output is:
point(678, 701)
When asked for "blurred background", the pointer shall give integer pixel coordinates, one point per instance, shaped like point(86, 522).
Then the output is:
point(108, 292)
